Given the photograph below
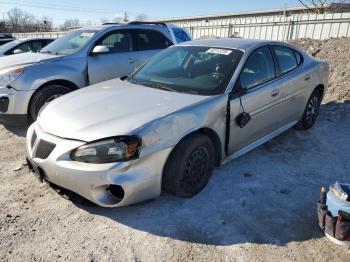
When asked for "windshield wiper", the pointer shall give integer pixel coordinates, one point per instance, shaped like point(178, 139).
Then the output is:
point(49, 52)
point(157, 86)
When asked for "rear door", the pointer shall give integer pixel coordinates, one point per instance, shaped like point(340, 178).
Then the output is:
point(261, 101)
point(149, 43)
point(120, 61)
point(292, 81)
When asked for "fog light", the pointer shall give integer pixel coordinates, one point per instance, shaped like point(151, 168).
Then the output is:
point(4, 104)
point(116, 191)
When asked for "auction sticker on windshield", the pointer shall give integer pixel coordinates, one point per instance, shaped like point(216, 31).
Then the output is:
point(87, 34)
point(219, 51)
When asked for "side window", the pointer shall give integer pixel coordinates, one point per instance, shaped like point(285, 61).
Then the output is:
point(36, 46)
point(180, 35)
point(118, 41)
point(151, 40)
point(299, 57)
point(46, 42)
point(285, 58)
point(258, 69)
point(25, 47)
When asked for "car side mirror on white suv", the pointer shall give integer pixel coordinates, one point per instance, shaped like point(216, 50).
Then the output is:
point(100, 49)
point(17, 51)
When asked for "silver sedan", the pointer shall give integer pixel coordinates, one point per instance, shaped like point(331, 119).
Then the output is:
point(163, 129)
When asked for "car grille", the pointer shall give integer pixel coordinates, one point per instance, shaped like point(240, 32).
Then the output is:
point(44, 149)
point(33, 140)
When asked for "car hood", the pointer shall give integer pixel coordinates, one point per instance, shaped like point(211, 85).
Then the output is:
point(25, 59)
point(109, 109)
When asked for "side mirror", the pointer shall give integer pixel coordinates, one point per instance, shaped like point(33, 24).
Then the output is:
point(123, 78)
point(100, 49)
point(17, 51)
point(238, 90)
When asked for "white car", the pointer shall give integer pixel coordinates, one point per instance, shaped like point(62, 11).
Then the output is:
point(192, 106)
point(19, 46)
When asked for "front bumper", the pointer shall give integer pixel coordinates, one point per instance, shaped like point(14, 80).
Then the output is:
point(139, 179)
point(13, 106)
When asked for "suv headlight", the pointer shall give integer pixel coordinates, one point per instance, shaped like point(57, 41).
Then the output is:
point(9, 75)
point(118, 149)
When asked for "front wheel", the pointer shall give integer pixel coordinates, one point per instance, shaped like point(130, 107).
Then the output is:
point(189, 166)
point(45, 95)
point(311, 111)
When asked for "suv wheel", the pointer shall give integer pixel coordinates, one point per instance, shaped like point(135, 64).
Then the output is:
point(45, 95)
point(311, 111)
point(189, 166)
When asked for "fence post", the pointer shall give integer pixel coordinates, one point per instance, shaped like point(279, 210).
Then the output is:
point(230, 28)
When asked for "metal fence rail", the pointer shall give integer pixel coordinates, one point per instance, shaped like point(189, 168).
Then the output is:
point(268, 26)
point(273, 27)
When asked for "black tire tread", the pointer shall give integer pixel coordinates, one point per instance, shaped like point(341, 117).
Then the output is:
point(301, 125)
point(177, 159)
point(39, 98)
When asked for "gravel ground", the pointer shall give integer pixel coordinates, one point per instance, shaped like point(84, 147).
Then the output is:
point(260, 207)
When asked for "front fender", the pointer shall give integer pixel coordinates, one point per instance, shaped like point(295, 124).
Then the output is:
point(168, 131)
point(37, 75)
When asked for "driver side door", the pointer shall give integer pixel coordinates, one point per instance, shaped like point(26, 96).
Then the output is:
point(261, 100)
point(121, 60)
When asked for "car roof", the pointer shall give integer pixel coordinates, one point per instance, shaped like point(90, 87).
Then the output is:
point(128, 25)
point(34, 38)
point(234, 43)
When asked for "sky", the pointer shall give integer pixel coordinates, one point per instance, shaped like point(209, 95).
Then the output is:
point(94, 10)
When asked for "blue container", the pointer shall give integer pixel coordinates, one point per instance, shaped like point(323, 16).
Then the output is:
point(335, 204)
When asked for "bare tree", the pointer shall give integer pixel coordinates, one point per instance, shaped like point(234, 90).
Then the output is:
point(104, 20)
point(141, 17)
point(117, 19)
point(321, 6)
point(16, 20)
point(69, 24)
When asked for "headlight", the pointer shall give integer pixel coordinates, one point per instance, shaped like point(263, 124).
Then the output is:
point(110, 150)
point(9, 75)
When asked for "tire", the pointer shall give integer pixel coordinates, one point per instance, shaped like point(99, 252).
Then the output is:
point(189, 167)
point(45, 95)
point(311, 111)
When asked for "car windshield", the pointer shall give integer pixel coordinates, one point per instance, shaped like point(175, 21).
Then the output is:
point(190, 69)
point(8, 46)
point(70, 43)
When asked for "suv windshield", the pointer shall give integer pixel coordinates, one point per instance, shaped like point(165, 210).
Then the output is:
point(190, 69)
point(70, 43)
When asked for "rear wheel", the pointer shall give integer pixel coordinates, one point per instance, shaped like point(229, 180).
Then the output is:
point(45, 95)
point(189, 166)
point(311, 111)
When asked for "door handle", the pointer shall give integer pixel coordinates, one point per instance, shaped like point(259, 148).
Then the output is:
point(307, 77)
point(132, 60)
point(275, 92)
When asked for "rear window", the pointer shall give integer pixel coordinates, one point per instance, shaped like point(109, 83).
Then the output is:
point(298, 57)
point(151, 40)
point(286, 59)
point(180, 35)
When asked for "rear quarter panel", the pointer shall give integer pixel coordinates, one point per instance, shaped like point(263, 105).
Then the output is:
point(319, 72)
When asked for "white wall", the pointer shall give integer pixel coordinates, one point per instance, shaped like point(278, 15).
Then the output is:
point(257, 26)
point(271, 27)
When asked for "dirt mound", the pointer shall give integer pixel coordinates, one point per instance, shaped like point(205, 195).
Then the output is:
point(337, 52)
